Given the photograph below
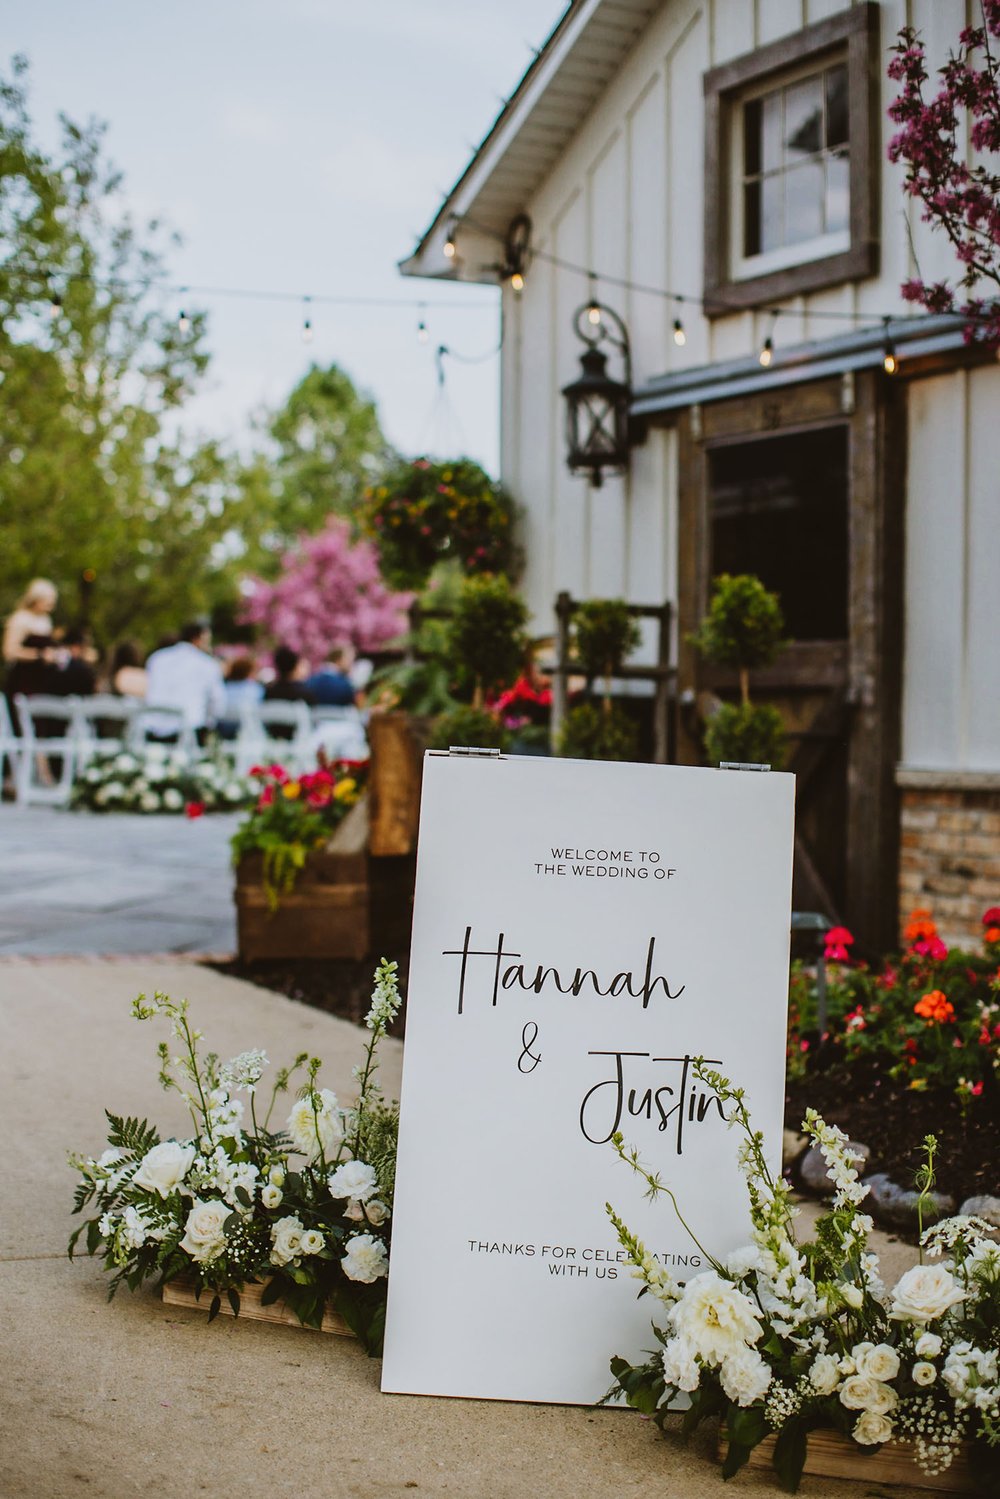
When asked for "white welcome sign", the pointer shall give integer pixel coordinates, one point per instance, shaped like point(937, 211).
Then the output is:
point(581, 931)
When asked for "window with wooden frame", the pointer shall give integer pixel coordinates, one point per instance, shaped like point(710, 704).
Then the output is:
point(791, 167)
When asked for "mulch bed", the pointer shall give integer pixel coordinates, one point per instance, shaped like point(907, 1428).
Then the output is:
point(893, 1120)
point(341, 986)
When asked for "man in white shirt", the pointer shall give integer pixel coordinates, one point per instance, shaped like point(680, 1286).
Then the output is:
point(185, 676)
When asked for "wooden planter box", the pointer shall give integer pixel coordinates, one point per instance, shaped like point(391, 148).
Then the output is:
point(182, 1293)
point(830, 1454)
point(327, 914)
point(397, 742)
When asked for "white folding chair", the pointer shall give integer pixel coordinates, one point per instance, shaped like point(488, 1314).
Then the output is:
point(50, 730)
point(161, 726)
point(105, 723)
point(339, 733)
point(10, 743)
point(277, 731)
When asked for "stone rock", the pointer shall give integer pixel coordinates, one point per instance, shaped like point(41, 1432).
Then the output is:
point(813, 1168)
point(792, 1144)
point(896, 1207)
point(987, 1208)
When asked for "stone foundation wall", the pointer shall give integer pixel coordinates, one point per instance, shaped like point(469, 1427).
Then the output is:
point(950, 849)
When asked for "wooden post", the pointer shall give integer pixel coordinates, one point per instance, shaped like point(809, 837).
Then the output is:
point(397, 752)
point(661, 696)
point(560, 679)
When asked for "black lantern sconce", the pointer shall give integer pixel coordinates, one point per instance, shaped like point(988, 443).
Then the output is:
point(597, 406)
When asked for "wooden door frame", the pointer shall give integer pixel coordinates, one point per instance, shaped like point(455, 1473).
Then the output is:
point(872, 407)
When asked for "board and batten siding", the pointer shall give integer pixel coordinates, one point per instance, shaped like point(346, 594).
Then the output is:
point(627, 199)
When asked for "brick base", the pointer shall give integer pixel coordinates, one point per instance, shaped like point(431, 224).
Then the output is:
point(950, 850)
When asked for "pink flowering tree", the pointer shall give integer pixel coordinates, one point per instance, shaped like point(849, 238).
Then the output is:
point(329, 590)
point(960, 196)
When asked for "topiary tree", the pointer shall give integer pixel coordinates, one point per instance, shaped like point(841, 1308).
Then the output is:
point(604, 633)
point(594, 731)
point(744, 628)
point(486, 636)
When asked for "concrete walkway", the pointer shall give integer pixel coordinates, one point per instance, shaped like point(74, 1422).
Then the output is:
point(134, 1398)
point(83, 882)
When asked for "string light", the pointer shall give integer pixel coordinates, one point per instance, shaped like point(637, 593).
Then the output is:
point(450, 247)
point(307, 327)
point(517, 282)
point(55, 306)
point(889, 361)
point(422, 334)
point(680, 337)
point(183, 321)
point(766, 352)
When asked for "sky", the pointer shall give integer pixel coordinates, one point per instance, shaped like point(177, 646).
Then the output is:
point(300, 146)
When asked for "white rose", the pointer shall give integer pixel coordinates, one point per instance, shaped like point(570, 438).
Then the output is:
point(366, 1259)
point(745, 1377)
point(164, 1167)
point(860, 1392)
point(204, 1233)
point(715, 1318)
point(824, 1375)
point(312, 1241)
point(928, 1345)
point(172, 799)
point(924, 1293)
point(286, 1241)
point(881, 1362)
point(271, 1195)
point(853, 1295)
point(316, 1124)
point(871, 1429)
point(376, 1212)
point(353, 1179)
point(923, 1372)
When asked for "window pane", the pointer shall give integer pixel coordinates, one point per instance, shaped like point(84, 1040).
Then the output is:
point(771, 132)
point(772, 228)
point(838, 192)
point(751, 218)
point(804, 195)
point(803, 118)
point(836, 106)
point(751, 138)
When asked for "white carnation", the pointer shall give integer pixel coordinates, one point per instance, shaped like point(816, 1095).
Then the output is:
point(353, 1179)
point(680, 1367)
point(715, 1318)
point(745, 1377)
point(366, 1259)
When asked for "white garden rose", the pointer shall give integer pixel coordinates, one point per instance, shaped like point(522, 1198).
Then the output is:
point(164, 1167)
point(860, 1392)
point(745, 1377)
point(880, 1361)
point(271, 1195)
point(824, 1375)
point(374, 1212)
point(928, 1345)
point(316, 1124)
point(715, 1318)
point(923, 1372)
point(366, 1259)
point(312, 1241)
point(872, 1429)
point(286, 1241)
point(924, 1294)
point(353, 1179)
point(204, 1233)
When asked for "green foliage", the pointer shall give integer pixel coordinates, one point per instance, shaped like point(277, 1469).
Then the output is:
point(469, 726)
point(95, 475)
point(486, 637)
point(744, 732)
point(423, 513)
point(592, 731)
point(604, 634)
point(744, 625)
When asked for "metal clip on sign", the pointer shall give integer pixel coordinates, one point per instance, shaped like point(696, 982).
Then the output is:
point(741, 765)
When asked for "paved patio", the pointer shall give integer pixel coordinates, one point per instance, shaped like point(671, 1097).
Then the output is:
point(114, 883)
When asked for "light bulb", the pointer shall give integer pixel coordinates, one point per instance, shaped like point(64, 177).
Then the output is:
point(889, 363)
point(422, 334)
point(517, 281)
point(307, 332)
point(183, 322)
point(680, 337)
point(593, 314)
point(450, 248)
point(766, 352)
point(55, 307)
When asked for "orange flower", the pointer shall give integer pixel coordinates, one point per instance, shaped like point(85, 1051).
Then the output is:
point(934, 1007)
point(993, 934)
point(291, 790)
point(920, 927)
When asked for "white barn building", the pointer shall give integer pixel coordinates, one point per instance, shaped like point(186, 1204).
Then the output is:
point(708, 162)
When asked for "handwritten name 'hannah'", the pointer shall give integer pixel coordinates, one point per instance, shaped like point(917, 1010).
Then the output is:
point(535, 978)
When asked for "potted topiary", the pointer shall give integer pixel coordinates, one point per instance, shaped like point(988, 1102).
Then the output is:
point(603, 635)
point(744, 629)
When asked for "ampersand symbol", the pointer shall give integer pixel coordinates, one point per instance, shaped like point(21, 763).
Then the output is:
point(528, 1038)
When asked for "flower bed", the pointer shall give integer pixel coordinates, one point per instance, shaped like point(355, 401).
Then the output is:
point(782, 1338)
point(293, 817)
point(157, 779)
point(304, 1208)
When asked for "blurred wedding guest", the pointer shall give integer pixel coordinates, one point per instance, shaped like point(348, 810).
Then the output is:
point(241, 688)
point(187, 677)
point(330, 686)
point(33, 671)
point(32, 616)
point(128, 675)
point(289, 684)
point(75, 676)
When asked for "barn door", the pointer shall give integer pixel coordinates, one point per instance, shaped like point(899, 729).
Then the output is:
point(797, 487)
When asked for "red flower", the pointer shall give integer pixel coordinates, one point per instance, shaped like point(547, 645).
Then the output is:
point(266, 798)
point(992, 916)
point(931, 947)
point(837, 954)
point(839, 936)
point(194, 809)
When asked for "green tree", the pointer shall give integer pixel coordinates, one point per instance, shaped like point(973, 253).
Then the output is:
point(94, 369)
